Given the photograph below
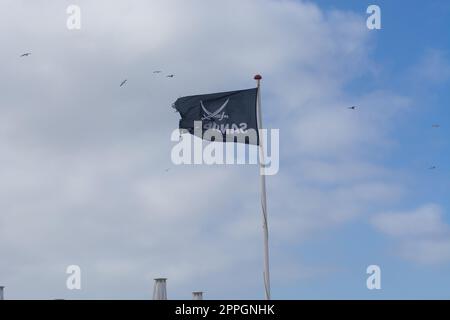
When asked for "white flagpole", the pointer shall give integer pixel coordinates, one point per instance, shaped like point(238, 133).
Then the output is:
point(263, 193)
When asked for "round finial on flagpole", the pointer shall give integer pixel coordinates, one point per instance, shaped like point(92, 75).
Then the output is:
point(258, 77)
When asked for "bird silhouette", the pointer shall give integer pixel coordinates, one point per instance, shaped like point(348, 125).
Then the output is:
point(436, 126)
point(25, 54)
point(170, 76)
point(123, 83)
point(433, 168)
point(157, 71)
point(352, 108)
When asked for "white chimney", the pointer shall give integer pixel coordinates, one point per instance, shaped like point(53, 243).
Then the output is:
point(160, 289)
point(2, 288)
point(198, 295)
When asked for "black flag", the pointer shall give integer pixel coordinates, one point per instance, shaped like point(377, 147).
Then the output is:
point(231, 115)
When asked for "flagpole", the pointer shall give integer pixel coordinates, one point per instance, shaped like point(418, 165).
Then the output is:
point(263, 193)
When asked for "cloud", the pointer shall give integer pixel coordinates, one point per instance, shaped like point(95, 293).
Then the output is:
point(424, 221)
point(422, 234)
point(427, 251)
point(84, 178)
point(433, 68)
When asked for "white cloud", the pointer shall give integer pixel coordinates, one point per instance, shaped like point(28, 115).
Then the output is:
point(424, 221)
point(427, 251)
point(422, 234)
point(434, 68)
point(86, 182)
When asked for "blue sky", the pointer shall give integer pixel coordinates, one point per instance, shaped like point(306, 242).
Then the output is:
point(409, 31)
point(86, 178)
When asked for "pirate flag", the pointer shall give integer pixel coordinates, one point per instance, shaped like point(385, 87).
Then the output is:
point(229, 116)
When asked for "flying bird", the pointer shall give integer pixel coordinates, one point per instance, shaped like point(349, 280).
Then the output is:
point(157, 71)
point(436, 126)
point(25, 54)
point(433, 168)
point(352, 108)
point(170, 76)
point(123, 83)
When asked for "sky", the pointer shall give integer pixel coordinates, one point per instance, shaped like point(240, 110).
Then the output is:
point(84, 177)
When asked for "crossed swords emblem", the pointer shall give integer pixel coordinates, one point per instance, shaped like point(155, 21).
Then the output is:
point(218, 114)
